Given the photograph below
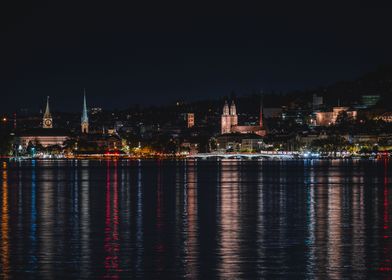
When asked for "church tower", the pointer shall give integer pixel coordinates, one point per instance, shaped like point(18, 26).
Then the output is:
point(233, 114)
point(261, 117)
point(84, 119)
point(47, 119)
point(225, 119)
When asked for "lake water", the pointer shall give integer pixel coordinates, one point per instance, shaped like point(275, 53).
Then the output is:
point(226, 219)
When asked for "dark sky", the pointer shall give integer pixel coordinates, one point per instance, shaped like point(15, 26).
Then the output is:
point(153, 54)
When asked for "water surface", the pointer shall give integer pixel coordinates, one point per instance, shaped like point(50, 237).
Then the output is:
point(226, 219)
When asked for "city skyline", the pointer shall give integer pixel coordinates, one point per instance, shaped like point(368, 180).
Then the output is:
point(187, 141)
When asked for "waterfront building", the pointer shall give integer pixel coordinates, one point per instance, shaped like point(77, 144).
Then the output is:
point(44, 136)
point(229, 122)
point(189, 147)
point(252, 144)
point(236, 142)
point(306, 139)
point(366, 139)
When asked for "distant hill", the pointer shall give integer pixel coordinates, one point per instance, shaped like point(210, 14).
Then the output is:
point(378, 82)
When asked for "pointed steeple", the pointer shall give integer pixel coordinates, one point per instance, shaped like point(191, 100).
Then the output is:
point(226, 110)
point(233, 109)
point(261, 117)
point(84, 119)
point(84, 114)
point(47, 110)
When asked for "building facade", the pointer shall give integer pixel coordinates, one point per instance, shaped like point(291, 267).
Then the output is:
point(330, 117)
point(229, 122)
point(236, 142)
point(190, 120)
point(45, 136)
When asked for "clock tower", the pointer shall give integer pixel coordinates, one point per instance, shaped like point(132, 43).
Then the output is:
point(47, 120)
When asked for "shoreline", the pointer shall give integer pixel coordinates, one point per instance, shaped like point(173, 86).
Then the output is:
point(197, 158)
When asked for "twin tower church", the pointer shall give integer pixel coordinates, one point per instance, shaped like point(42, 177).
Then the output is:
point(229, 122)
point(47, 121)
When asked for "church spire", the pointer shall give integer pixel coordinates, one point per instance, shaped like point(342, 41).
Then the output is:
point(47, 119)
point(84, 119)
point(233, 110)
point(261, 117)
point(47, 110)
point(84, 115)
point(226, 110)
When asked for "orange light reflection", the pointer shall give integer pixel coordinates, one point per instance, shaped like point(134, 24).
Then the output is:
point(5, 247)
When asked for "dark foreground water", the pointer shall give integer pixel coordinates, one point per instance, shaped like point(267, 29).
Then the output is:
point(186, 219)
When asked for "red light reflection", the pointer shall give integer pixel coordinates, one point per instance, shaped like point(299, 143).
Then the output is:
point(112, 241)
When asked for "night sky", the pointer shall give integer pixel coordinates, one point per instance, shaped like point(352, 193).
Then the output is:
point(155, 54)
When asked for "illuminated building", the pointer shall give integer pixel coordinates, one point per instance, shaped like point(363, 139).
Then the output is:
point(45, 136)
point(330, 117)
point(235, 142)
point(96, 110)
point(190, 120)
point(251, 144)
point(386, 117)
point(225, 119)
point(84, 119)
point(229, 122)
point(105, 141)
point(306, 139)
point(189, 147)
point(370, 100)
point(233, 115)
point(297, 115)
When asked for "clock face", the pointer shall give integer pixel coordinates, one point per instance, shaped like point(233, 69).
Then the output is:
point(48, 122)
